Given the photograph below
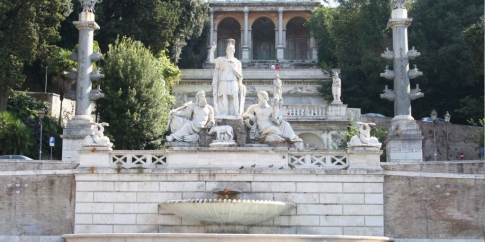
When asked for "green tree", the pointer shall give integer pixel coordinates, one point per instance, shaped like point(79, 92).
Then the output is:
point(15, 137)
point(352, 37)
point(158, 24)
point(137, 100)
point(450, 81)
point(26, 109)
point(473, 38)
point(27, 28)
point(60, 64)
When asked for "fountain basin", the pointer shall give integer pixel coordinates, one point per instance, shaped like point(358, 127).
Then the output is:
point(233, 213)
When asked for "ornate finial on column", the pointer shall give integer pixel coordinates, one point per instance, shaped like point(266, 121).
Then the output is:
point(88, 5)
point(398, 4)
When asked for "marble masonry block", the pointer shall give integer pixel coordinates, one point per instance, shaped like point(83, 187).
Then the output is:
point(114, 219)
point(114, 197)
point(363, 209)
point(342, 221)
point(94, 156)
point(374, 221)
point(318, 187)
point(154, 197)
point(335, 198)
point(319, 209)
point(363, 188)
point(95, 186)
point(94, 207)
point(364, 158)
point(136, 208)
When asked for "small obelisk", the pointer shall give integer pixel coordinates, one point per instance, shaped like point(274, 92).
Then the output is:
point(404, 137)
point(81, 124)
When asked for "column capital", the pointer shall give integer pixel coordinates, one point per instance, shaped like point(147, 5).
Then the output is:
point(211, 10)
point(281, 10)
point(399, 22)
point(246, 9)
point(86, 25)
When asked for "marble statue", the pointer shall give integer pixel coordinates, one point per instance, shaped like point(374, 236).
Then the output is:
point(364, 138)
point(97, 138)
point(224, 133)
point(398, 4)
point(88, 5)
point(228, 90)
point(268, 124)
point(277, 85)
point(188, 121)
point(336, 87)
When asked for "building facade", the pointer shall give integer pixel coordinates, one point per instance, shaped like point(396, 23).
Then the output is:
point(265, 31)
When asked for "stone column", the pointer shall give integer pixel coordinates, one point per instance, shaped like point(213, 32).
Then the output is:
point(313, 49)
point(280, 51)
point(80, 125)
point(211, 35)
point(245, 48)
point(404, 137)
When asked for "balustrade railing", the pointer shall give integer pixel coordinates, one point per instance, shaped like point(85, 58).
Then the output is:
point(295, 111)
point(159, 159)
point(138, 158)
point(337, 160)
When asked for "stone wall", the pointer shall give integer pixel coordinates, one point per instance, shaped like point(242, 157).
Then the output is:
point(429, 201)
point(460, 139)
point(327, 202)
point(37, 200)
point(435, 201)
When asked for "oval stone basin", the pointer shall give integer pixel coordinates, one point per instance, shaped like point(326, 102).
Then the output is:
point(226, 211)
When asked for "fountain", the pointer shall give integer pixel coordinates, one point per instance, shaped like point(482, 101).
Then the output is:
point(227, 213)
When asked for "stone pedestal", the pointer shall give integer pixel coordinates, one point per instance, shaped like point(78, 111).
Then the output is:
point(94, 156)
point(240, 134)
point(73, 135)
point(280, 53)
point(404, 140)
point(364, 158)
point(245, 54)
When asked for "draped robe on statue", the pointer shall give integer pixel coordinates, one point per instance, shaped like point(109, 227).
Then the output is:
point(227, 80)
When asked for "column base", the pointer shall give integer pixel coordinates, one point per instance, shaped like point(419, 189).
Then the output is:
point(404, 141)
point(73, 135)
point(245, 54)
point(280, 53)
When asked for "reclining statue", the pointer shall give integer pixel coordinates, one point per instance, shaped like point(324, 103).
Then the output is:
point(188, 121)
point(268, 125)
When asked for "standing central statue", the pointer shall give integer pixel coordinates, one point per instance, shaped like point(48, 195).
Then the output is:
point(228, 91)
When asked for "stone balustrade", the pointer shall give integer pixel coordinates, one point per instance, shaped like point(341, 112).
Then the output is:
point(334, 159)
point(161, 158)
point(300, 111)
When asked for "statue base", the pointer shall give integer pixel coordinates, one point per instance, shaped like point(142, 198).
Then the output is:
point(404, 140)
point(216, 144)
point(239, 129)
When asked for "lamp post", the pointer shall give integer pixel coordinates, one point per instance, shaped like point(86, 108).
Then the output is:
point(447, 121)
point(434, 116)
point(41, 114)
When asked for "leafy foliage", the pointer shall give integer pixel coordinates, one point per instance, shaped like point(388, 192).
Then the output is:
point(353, 35)
point(450, 81)
point(25, 108)
point(481, 132)
point(15, 136)
point(159, 25)
point(137, 100)
point(27, 28)
point(473, 38)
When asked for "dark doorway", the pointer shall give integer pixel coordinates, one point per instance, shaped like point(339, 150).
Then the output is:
point(228, 28)
point(263, 38)
point(297, 40)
